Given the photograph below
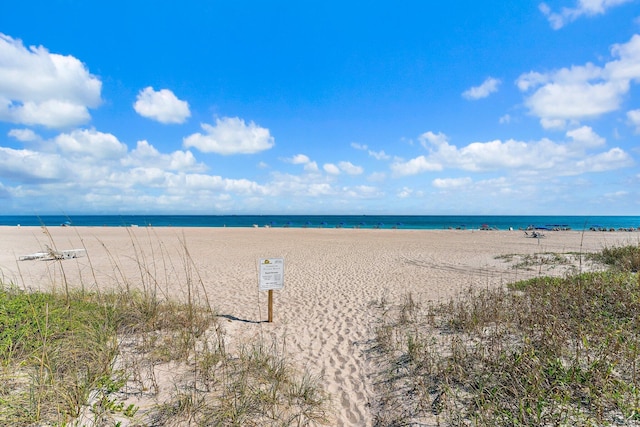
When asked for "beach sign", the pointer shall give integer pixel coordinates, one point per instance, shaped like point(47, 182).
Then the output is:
point(270, 278)
point(271, 274)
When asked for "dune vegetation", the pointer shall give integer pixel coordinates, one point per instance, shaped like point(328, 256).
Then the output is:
point(544, 351)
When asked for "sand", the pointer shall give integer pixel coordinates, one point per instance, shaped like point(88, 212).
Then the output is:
point(324, 313)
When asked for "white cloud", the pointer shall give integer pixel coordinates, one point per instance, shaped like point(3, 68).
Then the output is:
point(430, 138)
point(582, 92)
point(447, 183)
point(53, 113)
point(217, 183)
point(331, 169)
point(573, 94)
point(584, 137)
point(146, 155)
point(613, 159)
point(553, 124)
point(405, 192)
point(301, 159)
point(552, 158)
point(415, 166)
point(627, 67)
point(90, 171)
point(378, 155)
point(42, 88)
point(24, 135)
point(506, 119)
point(91, 144)
point(27, 166)
point(162, 106)
point(300, 186)
point(350, 169)
point(582, 8)
point(489, 86)
point(634, 119)
point(311, 167)
point(360, 192)
point(231, 135)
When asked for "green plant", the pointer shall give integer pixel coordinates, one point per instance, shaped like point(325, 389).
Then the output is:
point(623, 258)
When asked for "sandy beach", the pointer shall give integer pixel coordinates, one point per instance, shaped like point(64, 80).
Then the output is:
point(332, 277)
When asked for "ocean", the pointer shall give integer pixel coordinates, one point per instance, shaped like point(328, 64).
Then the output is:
point(427, 222)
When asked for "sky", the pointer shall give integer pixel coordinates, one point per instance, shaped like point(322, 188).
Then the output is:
point(320, 107)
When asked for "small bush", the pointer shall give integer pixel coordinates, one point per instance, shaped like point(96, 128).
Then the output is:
point(623, 258)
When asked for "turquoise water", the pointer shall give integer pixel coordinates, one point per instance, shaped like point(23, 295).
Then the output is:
point(431, 222)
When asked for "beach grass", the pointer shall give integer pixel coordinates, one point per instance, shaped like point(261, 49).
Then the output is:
point(544, 351)
point(70, 356)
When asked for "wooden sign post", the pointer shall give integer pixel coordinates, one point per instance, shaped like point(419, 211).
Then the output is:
point(270, 278)
point(270, 298)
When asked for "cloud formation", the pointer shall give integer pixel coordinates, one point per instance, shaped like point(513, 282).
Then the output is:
point(42, 88)
point(634, 118)
point(582, 8)
point(162, 106)
point(489, 86)
point(90, 145)
point(349, 168)
point(582, 92)
point(231, 135)
point(301, 159)
point(449, 183)
point(31, 167)
point(88, 170)
point(331, 169)
point(544, 156)
point(378, 155)
point(146, 155)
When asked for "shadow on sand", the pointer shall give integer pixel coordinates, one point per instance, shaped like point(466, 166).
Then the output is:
point(237, 319)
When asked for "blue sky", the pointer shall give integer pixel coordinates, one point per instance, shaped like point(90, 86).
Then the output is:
point(320, 107)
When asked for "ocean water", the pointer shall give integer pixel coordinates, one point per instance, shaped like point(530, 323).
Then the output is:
point(430, 222)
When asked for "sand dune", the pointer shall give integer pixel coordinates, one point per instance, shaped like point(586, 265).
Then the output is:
point(324, 315)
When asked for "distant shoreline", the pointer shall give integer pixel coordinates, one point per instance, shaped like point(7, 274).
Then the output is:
point(417, 222)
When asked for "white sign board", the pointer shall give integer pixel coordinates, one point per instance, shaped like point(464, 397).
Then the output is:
point(271, 275)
